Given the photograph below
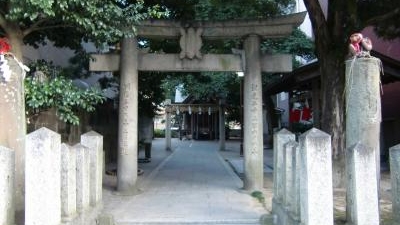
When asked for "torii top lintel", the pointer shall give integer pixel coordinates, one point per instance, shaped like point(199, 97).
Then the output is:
point(275, 27)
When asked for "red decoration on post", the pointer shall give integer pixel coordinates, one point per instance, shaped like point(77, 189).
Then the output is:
point(359, 46)
point(354, 46)
point(4, 46)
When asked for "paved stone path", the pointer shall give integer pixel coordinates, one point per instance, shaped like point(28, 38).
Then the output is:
point(193, 185)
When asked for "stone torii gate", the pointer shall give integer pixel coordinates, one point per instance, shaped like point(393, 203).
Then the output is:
point(250, 60)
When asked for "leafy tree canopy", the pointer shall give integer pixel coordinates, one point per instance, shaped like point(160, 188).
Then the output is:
point(150, 93)
point(222, 10)
point(67, 22)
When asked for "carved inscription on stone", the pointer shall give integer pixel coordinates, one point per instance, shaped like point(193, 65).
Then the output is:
point(190, 43)
point(126, 89)
point(254, 121)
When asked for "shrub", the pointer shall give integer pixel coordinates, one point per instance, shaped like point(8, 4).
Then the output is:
point(158, 133)
point(52, 90)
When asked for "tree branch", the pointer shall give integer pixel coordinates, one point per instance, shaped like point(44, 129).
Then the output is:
point(3, 21)
point(34, 27)
point(381, 18)
point(319, 24)
point(38, 28)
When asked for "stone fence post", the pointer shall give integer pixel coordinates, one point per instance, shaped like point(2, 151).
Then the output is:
point(395, 179)
point(292, 191)
point(316, 191)
point(284, 142)
point(362, 193)
point(289, 153)
point(42, 178)
point(68, 182)
point(7, 174)
point(94, 142)
point(82, 177)
point(280, 139)
point(61, 181)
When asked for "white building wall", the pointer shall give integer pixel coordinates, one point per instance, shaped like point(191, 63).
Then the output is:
point(306, 25)
point(59, 56)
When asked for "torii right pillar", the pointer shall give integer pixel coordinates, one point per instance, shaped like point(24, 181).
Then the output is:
point(363, 112)
point(253, 129)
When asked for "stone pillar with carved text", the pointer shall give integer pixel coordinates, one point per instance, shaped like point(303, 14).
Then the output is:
point(13, 122)
point(363, 108)
point(128, 118)
point(253, 130)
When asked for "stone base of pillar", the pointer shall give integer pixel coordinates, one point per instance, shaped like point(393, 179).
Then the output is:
point(128, 192)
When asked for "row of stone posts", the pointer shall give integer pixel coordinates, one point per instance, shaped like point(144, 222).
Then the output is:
point(63, 184)
point(303, 192)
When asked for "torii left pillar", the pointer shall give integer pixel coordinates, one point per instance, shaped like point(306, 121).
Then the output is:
point(128, 119)
point(253, 129)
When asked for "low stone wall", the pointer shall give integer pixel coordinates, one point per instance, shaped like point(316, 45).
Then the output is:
point(303, 192)
point(63, 184)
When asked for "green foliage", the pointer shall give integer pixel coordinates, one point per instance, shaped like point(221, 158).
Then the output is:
point(150, 94)
point(78, 65)
point(259, 196)
point(297, 44)
point(158, 133)
point(46, 89)
point(241, 9)
point(68, 22)
point(206, 85)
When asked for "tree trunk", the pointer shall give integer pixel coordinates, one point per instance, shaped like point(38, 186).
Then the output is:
point(330, 42)
point(272, 118)
point(332, 113)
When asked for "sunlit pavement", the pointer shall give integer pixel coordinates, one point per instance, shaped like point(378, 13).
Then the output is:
point(192, 185)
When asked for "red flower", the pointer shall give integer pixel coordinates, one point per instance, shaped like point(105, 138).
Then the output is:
point(4, 46)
